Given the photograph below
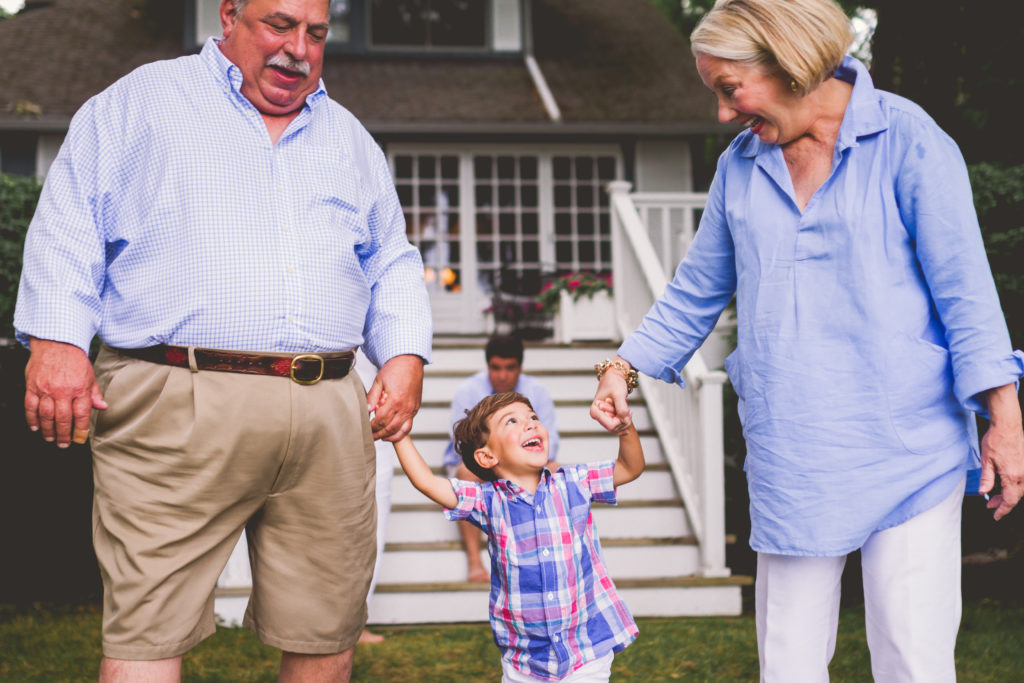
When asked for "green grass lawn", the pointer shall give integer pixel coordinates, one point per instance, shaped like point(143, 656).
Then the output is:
point(62, 644)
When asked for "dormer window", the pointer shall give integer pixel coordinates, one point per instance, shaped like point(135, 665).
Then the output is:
point(437, 27)
point(428, 24)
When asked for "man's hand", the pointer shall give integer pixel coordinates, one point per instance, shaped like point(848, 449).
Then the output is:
point(60, 392)
point(1002, 450)
point(394, 397)
point(615, 417)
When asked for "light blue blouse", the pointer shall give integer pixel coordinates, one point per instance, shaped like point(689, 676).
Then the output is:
point(867, 324)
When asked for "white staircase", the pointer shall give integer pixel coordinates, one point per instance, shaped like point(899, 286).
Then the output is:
point(649, 547)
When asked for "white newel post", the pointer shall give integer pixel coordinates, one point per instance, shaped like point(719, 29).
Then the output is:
point(712, 482)
point(614, 189)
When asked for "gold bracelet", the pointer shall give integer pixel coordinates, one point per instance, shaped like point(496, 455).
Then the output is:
point(632, 380)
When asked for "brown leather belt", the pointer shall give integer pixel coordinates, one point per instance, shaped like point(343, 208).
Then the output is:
point(303, 368)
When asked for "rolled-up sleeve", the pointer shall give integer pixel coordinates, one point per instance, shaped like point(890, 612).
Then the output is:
point(398, 320)
point(64, 260)
point(686, 312)
point(937, 207)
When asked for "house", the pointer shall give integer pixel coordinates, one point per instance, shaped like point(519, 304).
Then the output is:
point(502, 119)
point(504, 122)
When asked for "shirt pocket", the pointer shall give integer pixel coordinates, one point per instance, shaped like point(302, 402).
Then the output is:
point(919, 387)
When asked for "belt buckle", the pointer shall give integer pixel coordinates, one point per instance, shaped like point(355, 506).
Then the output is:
point(304, 357)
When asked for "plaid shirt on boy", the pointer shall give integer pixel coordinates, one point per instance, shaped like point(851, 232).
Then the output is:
point(553, 606)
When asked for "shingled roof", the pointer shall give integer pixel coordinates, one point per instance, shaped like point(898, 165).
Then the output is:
point(612, 65)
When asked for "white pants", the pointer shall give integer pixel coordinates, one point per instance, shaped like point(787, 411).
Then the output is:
point(595, 671)
point(911, 603)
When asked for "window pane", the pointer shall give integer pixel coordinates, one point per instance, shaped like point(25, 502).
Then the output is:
point(404, 194)
point(529, 195)
point(561, 168)
point(531, 253)
point(528, 168)
point(606, 168)
point(482, 167)
point(457, 23)
point(484, 196)
point(584, 196)
point(398, 23)
point(563, 224)
point(507, 196)
point(584, 168)
point(506, 168)
point(427, 166)
point(403, 166)
point(449, 167)
point(530, 224)
point(429, 23)
point(585, 223)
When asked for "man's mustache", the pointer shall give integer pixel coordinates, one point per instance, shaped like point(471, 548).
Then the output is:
point(283, 61)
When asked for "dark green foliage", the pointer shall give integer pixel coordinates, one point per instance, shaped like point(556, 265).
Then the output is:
point(999, 200)
point(18, 197)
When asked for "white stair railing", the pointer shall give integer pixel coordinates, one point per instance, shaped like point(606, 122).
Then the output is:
point(650, 234)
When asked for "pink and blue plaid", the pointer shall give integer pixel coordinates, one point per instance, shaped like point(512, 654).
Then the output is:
point(553, 606)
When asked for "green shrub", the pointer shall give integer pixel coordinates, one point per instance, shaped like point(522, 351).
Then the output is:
point(999, 199)
point(18, 198)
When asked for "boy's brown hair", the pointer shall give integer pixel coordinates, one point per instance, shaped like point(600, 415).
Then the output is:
point(472, 432)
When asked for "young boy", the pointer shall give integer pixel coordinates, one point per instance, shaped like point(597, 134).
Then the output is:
point(554, 611)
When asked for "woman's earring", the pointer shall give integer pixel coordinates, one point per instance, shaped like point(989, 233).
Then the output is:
point(792, 85)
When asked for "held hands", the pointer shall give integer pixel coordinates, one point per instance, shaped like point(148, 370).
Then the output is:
point(609, 407)
point(394, 397)
point(1002, 451)
point(60, 392)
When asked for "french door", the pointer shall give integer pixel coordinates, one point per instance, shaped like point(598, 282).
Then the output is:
point(483, 215)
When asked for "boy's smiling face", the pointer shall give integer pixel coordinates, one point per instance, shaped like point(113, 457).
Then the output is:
point(517, 446)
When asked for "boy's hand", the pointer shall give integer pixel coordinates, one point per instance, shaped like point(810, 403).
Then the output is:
point(607, 407)
point(612, 387)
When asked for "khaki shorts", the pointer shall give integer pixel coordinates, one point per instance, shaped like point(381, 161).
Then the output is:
point(183, 460)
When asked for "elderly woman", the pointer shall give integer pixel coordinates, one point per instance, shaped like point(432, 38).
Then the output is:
point(870, 335)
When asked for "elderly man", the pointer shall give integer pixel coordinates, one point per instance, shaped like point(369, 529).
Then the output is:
point(231, 234)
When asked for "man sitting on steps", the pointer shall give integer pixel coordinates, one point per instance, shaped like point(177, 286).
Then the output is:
point(504, 373)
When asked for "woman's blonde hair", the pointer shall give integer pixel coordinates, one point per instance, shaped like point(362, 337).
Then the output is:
point(802, 41)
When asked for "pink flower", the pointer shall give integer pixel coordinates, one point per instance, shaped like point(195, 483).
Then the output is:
point(547, 286)
point(573, 285)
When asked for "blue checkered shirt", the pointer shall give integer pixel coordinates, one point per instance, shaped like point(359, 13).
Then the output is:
point(553, 606)
point(170, 217)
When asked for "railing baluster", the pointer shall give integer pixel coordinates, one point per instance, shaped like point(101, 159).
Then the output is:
point(688, 421)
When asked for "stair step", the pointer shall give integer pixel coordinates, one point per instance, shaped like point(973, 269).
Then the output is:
point(639, 519)
point(574, 447)
point(652, 485)
point(571, 418)
point(441, 386)
point(623, 562)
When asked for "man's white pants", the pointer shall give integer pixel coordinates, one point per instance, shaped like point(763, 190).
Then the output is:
point(911, 603)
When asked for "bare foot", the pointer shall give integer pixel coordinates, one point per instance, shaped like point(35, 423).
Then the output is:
point(478, 575)
point(369, 638)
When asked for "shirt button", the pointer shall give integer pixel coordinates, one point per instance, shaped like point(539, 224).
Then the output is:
point(546, 553)
point(286, 228)
point(291, 318)
point(555, 638)
point(291, 269)
point(551, 596)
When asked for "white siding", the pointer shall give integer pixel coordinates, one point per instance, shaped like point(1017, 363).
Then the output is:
point(663, 166)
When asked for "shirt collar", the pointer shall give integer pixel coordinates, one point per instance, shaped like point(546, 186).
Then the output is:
point(864, 112)
point(230, 76)
point(514, 490)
